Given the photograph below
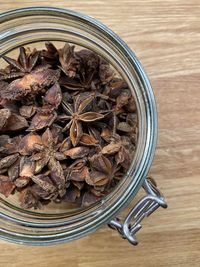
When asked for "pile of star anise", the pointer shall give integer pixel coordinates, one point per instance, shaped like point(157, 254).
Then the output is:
point(68, 126)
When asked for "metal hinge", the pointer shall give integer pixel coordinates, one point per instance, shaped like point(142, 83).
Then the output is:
point(128, 227)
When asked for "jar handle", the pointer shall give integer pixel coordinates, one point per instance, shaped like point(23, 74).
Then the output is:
point(145, 207)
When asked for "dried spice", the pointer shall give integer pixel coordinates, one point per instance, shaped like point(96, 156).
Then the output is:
point(68, 126)
point(6, 185)
point(76, 115)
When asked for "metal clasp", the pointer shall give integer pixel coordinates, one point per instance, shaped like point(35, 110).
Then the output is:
point(144, 208)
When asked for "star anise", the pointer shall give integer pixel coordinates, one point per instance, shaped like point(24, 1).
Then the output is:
point(78, 113)
point(50, 54)
point(16, 163)
point(25, 63)
point(48, 152)
point(6, 185)
point(28, 199)
point(8, 145)
point(4, 115)
point(120, 147)
point(10, 121)
point(46, 115)
point(89, 199)
point(17, 170)
point(33, 83)
point(68, 126)
point(101, 169)
point(6, 165)
point(88, 74)
point(8, 73)
point(106, 74)
point(68, 60)
point(103, 173)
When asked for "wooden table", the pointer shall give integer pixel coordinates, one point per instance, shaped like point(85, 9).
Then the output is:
point(165, 35)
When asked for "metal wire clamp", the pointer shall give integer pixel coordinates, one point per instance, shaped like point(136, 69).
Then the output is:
point(128, 227)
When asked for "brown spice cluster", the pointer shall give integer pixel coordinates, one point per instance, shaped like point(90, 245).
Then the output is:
point(68, 126)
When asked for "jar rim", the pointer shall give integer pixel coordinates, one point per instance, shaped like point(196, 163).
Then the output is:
point(150, 131)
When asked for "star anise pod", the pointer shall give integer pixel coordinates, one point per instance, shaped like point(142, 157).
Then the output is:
point(89, 66)
point(28, 199)
point(106, 74)
point(78, 113)
point(46, 115)
point(89, 199)
point(45, 183)
point(48, 152)
point(68, 126)
point(87, 77)
point(120, 147)
point(68, 60)
point(17, 169)
point(4, 116)
point(16, 163)
point(11, 121)
point(30, 83)
point(8, 145)
point(27, 111)
point(25, 63)
point(7, 163)
point(6, 185)
point(8, 74)
point(115, 87)
point(29, 143)
point(72, 195)
point(102, 171)
point(50, 54)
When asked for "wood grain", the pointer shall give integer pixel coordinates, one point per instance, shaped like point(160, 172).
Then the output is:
point(165, 35)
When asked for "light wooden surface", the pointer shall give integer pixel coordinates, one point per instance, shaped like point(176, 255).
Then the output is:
point(165, 35)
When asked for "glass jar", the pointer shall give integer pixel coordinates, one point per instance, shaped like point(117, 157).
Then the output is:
point(30, 25)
